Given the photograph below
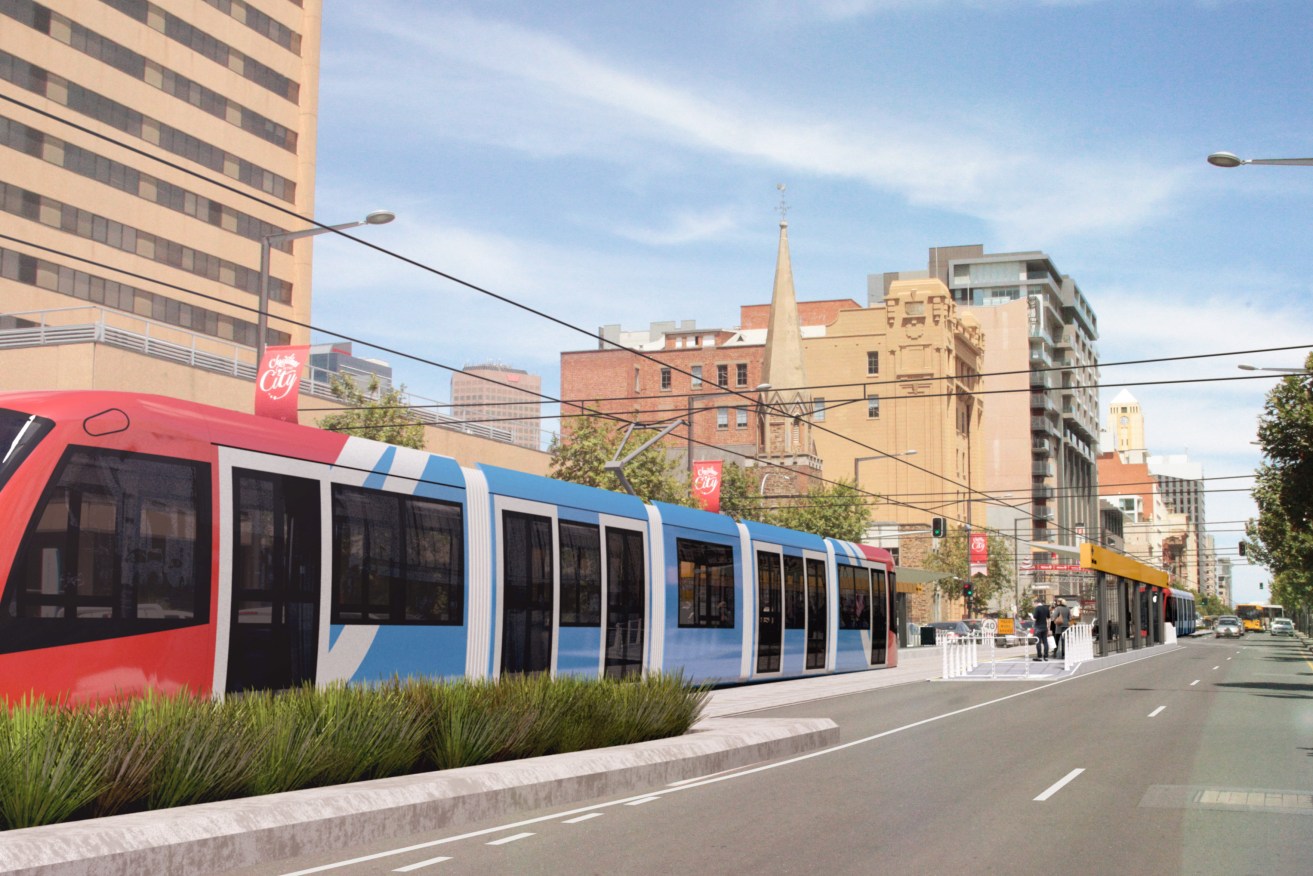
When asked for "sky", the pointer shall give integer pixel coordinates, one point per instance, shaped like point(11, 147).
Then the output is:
point(618, 163)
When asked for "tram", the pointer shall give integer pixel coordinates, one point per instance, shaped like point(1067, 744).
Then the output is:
point(153, 543)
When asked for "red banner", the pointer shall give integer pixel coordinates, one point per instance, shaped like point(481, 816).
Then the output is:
point(706, 484)
point(277, 387)
point(978, 557)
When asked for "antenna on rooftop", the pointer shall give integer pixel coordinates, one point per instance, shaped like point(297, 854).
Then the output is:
point(784, 205)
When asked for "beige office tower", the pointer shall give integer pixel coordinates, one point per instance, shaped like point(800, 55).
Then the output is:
point(145, 151)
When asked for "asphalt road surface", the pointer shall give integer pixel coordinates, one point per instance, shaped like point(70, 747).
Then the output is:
point(1197, 760)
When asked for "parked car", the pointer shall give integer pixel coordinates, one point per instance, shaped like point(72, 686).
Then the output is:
point(949, 629)
point(1282, 626)
point(1228, 626)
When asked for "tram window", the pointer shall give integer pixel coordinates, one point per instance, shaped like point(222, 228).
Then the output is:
point(854, 593)
point(396, 559)
point(19, 433)
point(795, 595)
point(706, 584)
point(119, 546)
point(581, 575)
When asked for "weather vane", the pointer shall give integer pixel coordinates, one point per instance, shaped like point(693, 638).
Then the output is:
point(784, 205)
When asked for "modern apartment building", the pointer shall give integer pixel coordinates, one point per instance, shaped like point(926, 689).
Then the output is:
point(1040, 370)
point(499, 396)
point(147, 149)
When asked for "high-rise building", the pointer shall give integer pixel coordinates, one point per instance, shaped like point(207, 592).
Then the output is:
point(1040, 376)
point(145, 150)
point(499, 396)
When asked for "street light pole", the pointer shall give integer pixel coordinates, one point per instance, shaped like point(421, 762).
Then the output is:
point(378, 217)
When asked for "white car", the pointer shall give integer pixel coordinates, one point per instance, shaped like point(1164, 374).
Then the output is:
point(1282, 626)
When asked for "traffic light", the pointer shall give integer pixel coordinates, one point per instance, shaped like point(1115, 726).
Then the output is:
point(938, 527)
point(968, 588)
point(1242, 548)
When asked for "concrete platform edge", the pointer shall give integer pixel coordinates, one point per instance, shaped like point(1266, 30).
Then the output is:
point(213, 837)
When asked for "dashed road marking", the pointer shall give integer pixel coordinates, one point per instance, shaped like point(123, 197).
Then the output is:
point(515, 837)
point(1059, 784)
point(418, 865)
point(583, 817)
point(1156, 712)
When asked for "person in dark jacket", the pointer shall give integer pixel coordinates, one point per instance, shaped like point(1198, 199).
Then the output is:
point(1061, 620)
point(1041, 630)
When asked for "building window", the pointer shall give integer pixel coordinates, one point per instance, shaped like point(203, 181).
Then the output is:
point(722, 375)
point(872, 362)
point(722, 418)
point(665, 379)
point(818, 410)
point(741, 374)
point(741, 418)
point(697, 376)
point(873, 407)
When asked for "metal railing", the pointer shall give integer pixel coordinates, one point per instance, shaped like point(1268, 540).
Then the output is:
point(91, 324)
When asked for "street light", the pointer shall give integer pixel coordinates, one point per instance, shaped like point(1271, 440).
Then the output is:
point(761, 387)
point(881, 456)
point(1230, 159)
point(378, 217)
point(1247, 367)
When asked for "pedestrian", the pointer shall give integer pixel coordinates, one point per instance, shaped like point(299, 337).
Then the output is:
point(1041, 630)
point(1061, 620)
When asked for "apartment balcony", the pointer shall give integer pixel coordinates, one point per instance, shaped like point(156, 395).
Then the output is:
point(1041, 512)
point(1042, 469)
point(1040, 494)
point(1040, 380)
point(1041, 424)
point(1040, 446)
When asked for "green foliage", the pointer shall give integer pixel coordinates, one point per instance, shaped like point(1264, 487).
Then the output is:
point(52, 763)
point(950, 557)
point(59, 762)
point(835, 510)
point(580, 455)
point(1211, 605)
point(372, 413)
point(1281, 538)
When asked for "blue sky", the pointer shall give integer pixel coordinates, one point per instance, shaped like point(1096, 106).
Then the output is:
point(618, 163)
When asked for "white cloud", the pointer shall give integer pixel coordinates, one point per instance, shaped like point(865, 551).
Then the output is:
point(552, 97)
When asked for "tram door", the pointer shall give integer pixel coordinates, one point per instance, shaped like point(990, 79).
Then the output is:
point(770, 612)
point(626, 614)
point(879, 617)
point(817, 615)
point(527, 593)
point(273, 640)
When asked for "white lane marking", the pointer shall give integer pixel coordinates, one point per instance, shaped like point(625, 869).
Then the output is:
point(1193, 683)
point(642, 801)
point(712, 781)
point(510, 839)
point(1156, 712)
point(1230, 658)
point(584, 817)
point(420, 864)
point(1059, 784)
point(1216, 667)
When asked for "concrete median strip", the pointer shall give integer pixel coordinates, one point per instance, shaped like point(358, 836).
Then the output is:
point(212, 837)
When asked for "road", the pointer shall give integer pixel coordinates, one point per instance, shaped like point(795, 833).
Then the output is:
point(1196, 760)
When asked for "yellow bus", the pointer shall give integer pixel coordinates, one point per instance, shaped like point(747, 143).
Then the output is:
point(1253, 615)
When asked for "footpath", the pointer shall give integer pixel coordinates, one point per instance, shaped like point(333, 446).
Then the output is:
point(213, 837)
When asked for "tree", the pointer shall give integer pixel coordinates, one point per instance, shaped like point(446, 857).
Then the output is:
point(740, 494)
point(950, 557)
point(372, 413)
point(1281, 538)
point(580, 457)
point(835, 510)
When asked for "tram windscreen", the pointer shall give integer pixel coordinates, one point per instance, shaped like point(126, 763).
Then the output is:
point(19, 433)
